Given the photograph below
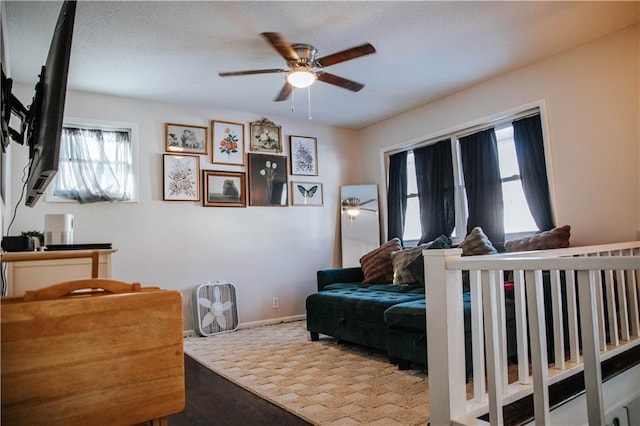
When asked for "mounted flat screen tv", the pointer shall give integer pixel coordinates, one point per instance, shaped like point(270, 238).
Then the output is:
point(46, 113)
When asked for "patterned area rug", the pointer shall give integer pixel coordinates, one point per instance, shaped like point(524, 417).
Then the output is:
point(323, 382)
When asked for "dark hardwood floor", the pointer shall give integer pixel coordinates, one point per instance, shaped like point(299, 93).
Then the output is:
point(212, 400)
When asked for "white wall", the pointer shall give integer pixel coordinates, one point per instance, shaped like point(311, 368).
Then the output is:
point(265, 251)
point(592, 103)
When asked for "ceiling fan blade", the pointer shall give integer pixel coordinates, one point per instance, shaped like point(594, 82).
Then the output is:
point(345, 55)
point(339, 81)
point(284, 49)
point(284, 93)
point(250, 72)
point(367, 202)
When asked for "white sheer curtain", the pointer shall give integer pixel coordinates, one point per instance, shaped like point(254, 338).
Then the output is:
point(95, 165)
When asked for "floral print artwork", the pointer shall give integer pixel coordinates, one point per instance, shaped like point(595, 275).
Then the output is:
point(181, 178)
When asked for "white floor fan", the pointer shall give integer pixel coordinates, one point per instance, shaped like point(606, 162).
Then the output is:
point(215, 308)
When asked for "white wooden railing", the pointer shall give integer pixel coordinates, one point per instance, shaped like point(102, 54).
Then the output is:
point(595, 277)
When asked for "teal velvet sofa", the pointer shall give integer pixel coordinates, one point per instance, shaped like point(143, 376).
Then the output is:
point(386, 317)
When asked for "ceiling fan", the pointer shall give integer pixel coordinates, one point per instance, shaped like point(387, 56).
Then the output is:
point(353, 205)
point(301, 60)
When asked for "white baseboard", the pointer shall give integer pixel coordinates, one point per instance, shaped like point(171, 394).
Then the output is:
point(272, 321)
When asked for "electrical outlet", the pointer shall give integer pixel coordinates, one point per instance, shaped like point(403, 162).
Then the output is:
point(619, 417)
point(276, 303)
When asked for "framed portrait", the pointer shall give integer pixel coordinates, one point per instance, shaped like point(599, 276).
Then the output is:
point(304, 155)
point(224, 189)
point(181, 178)
point(186, 138)
point(268, 180)
point(306, 194)
point(228, 142)
point(265, 137)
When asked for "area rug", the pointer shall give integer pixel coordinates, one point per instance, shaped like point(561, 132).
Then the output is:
point(325, 382)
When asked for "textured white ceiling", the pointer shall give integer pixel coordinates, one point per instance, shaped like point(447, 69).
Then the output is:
point(172, 51)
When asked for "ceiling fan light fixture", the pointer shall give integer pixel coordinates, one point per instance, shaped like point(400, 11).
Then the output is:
point(353, 212)
point(301, 77)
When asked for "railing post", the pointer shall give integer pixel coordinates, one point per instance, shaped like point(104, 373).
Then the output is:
point(587, 283)
point(445, 337)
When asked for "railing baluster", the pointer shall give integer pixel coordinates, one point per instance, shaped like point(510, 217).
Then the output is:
point(588, 283)
point(623, 305)
point(600, 309)
point(535, 303)
point(521, 327)
point(494, 381)
point(611, 306)
point(497, 278)
point(558, 327)
point(572, 317)
point(477, 337)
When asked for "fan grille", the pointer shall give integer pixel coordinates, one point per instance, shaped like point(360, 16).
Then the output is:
point(215, 308)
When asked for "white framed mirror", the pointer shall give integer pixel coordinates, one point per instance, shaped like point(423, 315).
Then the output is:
point(360, 224)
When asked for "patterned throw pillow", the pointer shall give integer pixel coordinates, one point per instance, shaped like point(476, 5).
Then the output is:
point(401, 260)
point(552, 239)
point(377, 265)
point(477, 243)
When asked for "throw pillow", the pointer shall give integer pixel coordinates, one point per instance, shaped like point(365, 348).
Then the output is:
point(552, 239)
point(417, 265)
point(376, 265)
point(477, 243)
point(401, 260)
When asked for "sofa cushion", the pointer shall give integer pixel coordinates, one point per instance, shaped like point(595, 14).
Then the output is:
point(417, 265)
point(377, 265)
point(477, 243)
point(361, 304)
point(552, 239)
point(401, 260)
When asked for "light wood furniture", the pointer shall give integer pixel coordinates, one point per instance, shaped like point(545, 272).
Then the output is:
point(98, 357)
point(36, 269)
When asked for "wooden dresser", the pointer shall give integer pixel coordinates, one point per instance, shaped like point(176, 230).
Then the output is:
point(37, 269)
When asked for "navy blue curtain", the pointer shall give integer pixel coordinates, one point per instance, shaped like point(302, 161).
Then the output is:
point(527, 134)
point(434, 175)
point(481, 169)
point(397, 195)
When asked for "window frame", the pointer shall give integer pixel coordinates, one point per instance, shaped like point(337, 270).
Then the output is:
point(105, 125)
point(454, 134)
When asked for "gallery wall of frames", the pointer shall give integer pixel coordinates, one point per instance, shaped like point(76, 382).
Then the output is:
point(258, 170)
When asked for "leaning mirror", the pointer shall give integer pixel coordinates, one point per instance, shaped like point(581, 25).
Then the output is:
point(360, 223)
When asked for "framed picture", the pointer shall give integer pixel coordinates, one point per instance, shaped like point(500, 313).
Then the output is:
point(304, 155)
point(306, 194)
point(268, 181)
point(228, 142)
point(186, 138)
point(224, 189)
point(181, 179)
point(266, 137)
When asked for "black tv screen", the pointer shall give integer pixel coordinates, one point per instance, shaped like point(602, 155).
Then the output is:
point(46, 113)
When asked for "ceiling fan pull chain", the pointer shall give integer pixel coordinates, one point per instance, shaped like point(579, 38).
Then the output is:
point(309, 102)
point(293, 100)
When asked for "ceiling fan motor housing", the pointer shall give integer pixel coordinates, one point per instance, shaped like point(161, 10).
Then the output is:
point(306, 52)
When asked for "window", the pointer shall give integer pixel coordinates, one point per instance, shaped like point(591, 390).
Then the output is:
point(412, 228)
point(518, 220)
point(517, 216)
point(96, 162)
